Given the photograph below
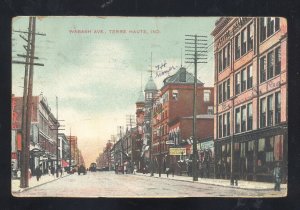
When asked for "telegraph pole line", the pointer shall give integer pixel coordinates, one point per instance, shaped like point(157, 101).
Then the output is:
point(129, 122)
point(27, 97)
point(24, 171)
point(56, 128)
point(196, 48)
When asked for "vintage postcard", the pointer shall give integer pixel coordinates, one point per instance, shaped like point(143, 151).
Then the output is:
point(149, 107)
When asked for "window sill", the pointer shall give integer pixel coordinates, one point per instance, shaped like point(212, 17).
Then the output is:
point(270, 79)
point(269, 37)
point(243, 55)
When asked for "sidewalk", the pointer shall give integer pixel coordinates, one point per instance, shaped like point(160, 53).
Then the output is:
point(248, 185)
point(15, 183)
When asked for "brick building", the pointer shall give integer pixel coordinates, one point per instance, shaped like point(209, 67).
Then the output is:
point(250, 97)
point(42, 137)
point(173, 118)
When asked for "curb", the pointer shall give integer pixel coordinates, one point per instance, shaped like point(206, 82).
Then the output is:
point(234, 187)
point(29, 188)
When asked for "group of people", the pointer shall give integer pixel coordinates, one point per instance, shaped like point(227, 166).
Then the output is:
point(51, 171)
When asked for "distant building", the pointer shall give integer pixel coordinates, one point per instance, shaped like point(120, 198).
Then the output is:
point(74, 150)
point(250, 97)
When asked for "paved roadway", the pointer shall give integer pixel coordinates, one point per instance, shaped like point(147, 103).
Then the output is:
point(108, 184)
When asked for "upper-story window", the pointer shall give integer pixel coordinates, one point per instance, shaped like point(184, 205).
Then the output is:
point(249, 77)
point(224, 58)
point(224, 91)
point(149, 95)
point(243, 118)
point(237, 83)
point(270, 64)
point(224, 125)
point(175, 94)
point(237, 46)
point(268, 26)
point(206, 95)
point(210, 110)
point(244, 41)
point(250, 35)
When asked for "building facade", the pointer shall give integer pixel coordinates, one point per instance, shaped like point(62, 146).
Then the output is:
point(74, 150)
point(250, 97)
point(173, 120)
point(43, 139)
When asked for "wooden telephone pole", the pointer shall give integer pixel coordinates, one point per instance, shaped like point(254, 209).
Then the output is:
point(196, 48)
point(27, 96)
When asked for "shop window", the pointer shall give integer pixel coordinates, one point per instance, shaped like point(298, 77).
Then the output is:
point(250, 146)
point(261, 145)
point(269, 148)
point(278, 147)
point(249, 117)
point(262, 69)
point(237, 120)
point(277, 107)
point(249, 77)
point(243, 118)
point(228, 149)
point(237, 83)
point(277, 61)
point(236, 146)
point(243, 150)
point(263, 112)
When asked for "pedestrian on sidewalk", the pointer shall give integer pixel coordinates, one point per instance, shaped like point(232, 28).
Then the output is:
point(29, 173)
point(167, 171)
point(38, 173)
point(52, 171)
point(277, 177)
point(49, 171)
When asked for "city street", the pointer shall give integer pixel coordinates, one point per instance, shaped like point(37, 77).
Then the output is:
point(109, 184)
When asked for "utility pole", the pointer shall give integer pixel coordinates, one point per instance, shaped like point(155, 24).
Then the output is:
point(122, 148)
point(159, 144)
point(130, 122)
point(27, 97)
point(196, 48)
point(70, 160)
point(56, 128)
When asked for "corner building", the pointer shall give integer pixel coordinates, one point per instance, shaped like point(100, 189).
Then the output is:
point(250, 126)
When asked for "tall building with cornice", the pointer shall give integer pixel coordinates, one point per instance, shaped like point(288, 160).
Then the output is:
point(250, 126)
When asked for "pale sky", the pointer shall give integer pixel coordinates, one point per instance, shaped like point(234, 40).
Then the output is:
point(97, 77)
